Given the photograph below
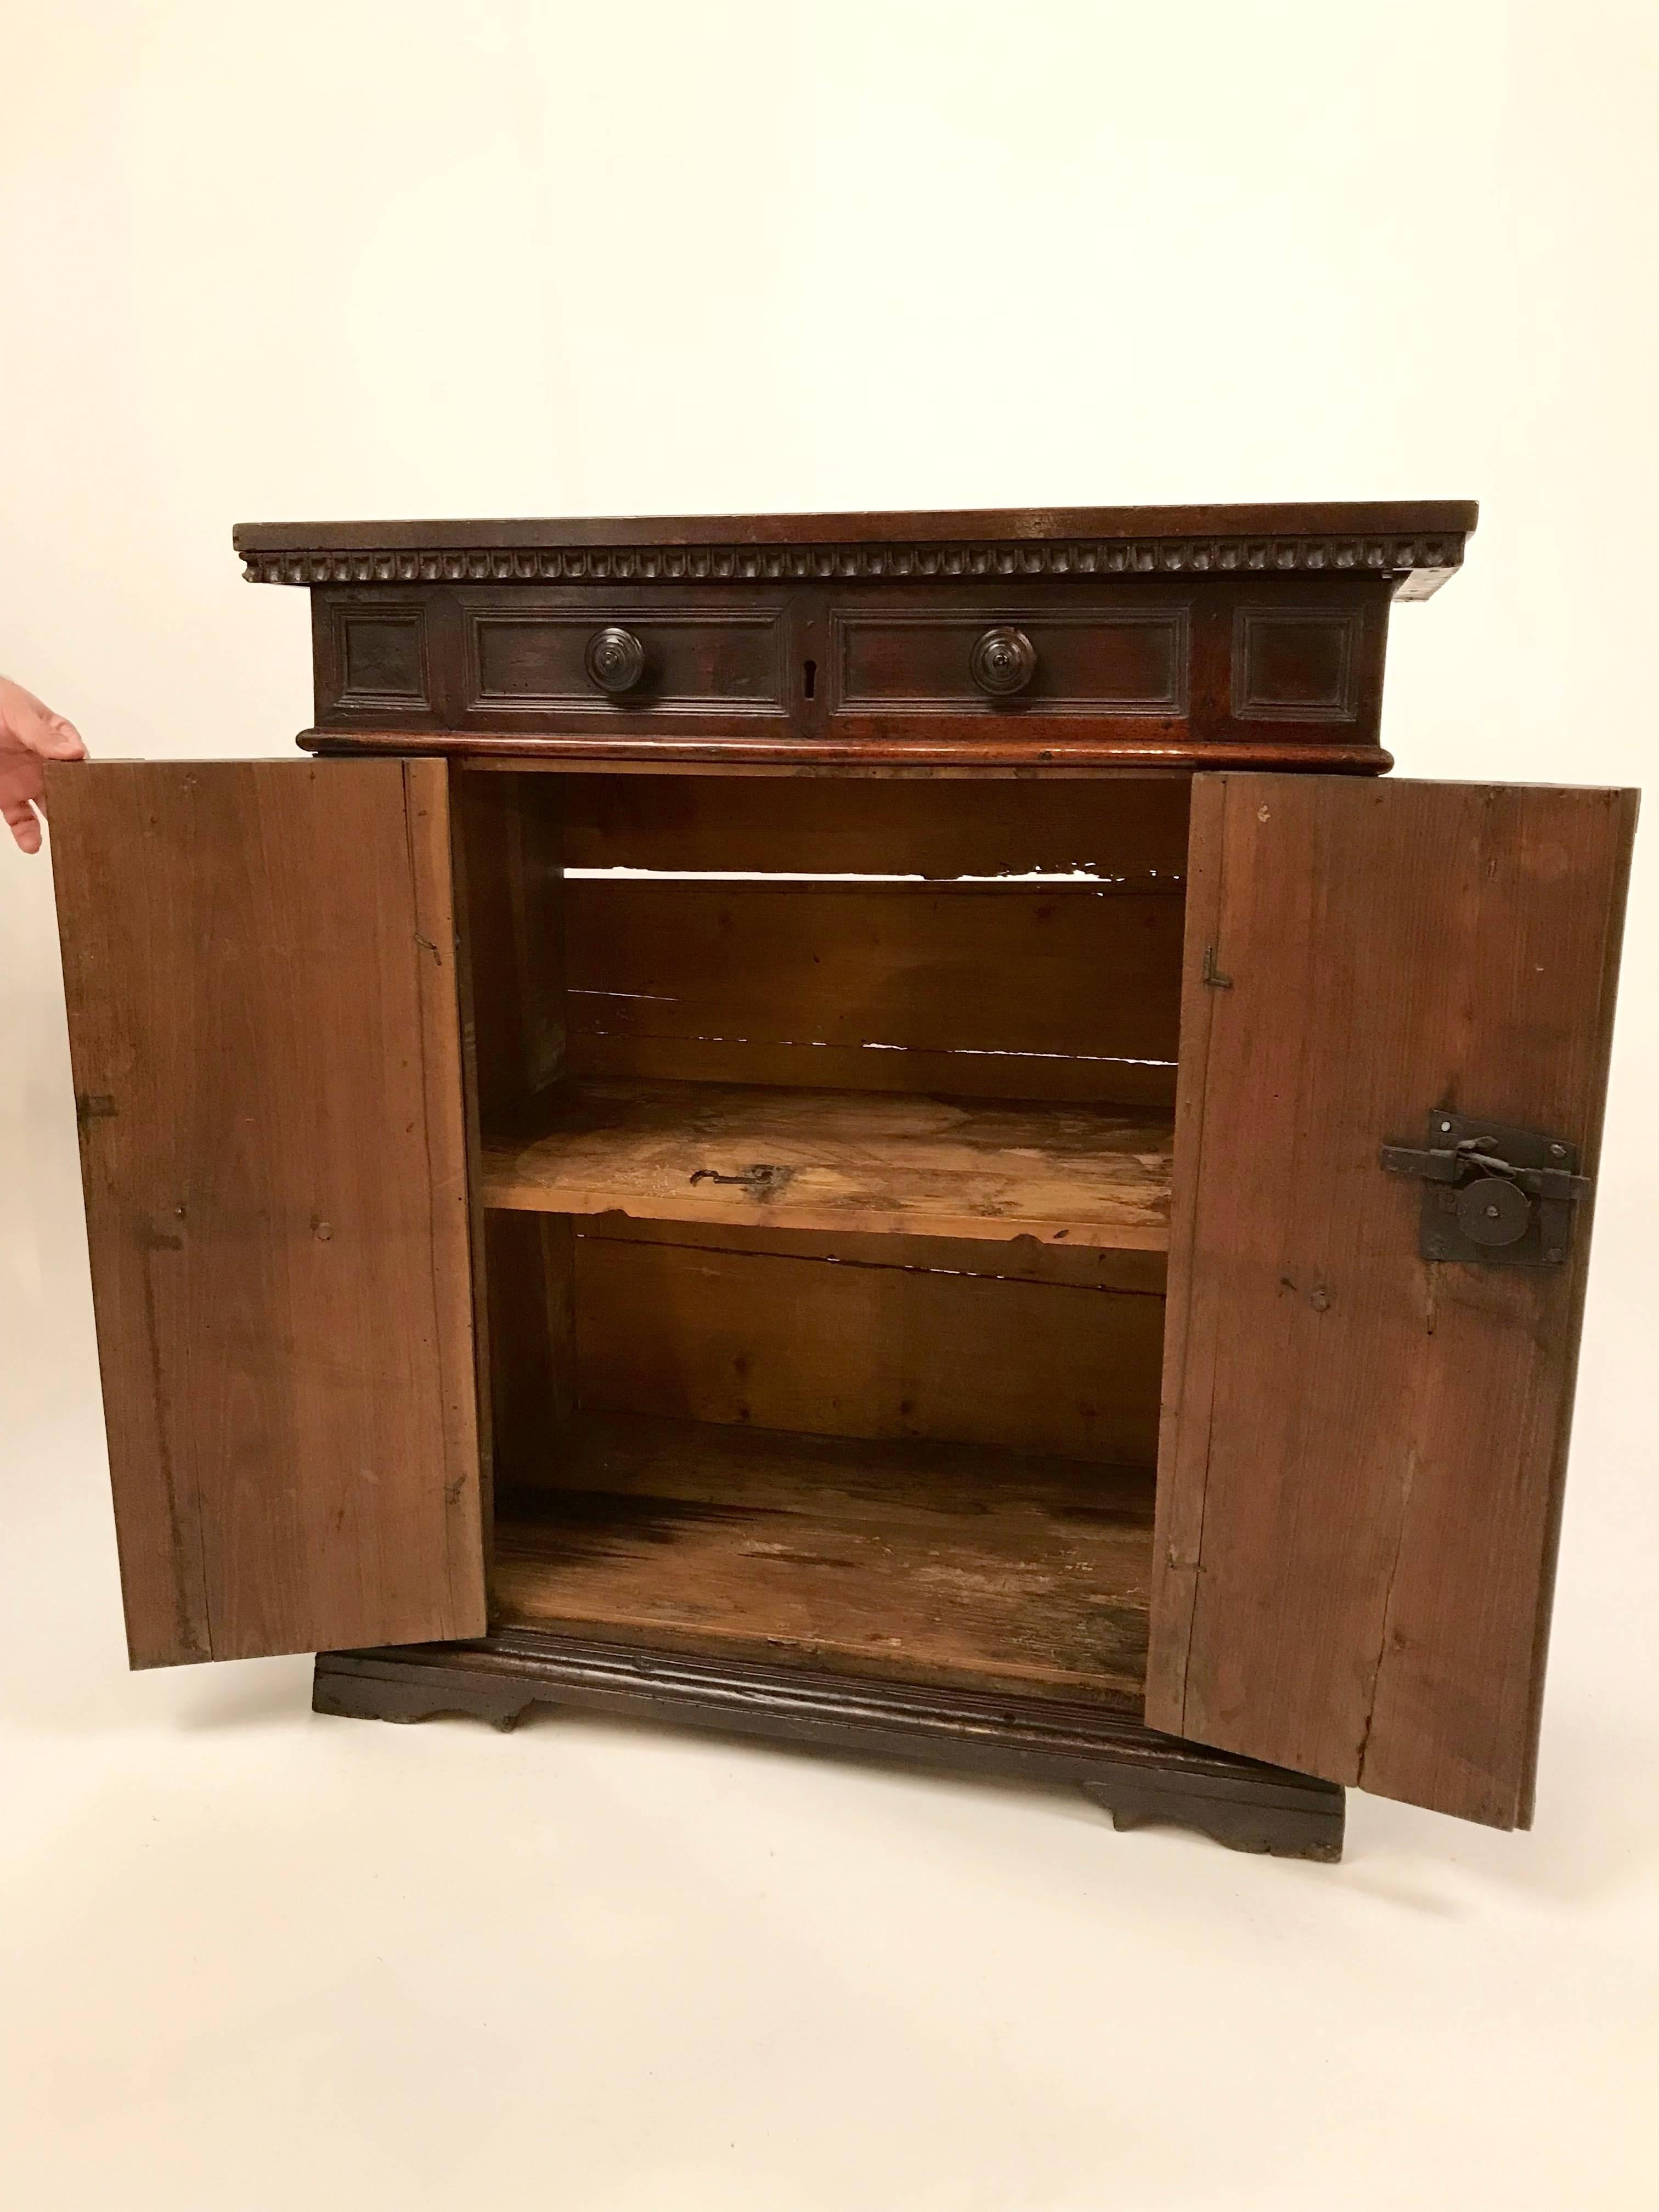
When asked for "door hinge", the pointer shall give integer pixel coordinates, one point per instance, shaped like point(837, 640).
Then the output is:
point(1493, 1196)
point(1212, 974)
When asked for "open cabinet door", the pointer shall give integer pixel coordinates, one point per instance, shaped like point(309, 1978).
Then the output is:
point(1362, 1452)
point(260, 962)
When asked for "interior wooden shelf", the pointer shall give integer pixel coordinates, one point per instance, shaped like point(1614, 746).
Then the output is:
point(774, 1158)
point(934, 1562)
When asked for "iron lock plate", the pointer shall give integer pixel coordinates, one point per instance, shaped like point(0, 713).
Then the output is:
point(1493, 1196)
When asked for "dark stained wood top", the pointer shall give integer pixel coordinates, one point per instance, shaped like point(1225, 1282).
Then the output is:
point(1017, 523)
point(1420, 539)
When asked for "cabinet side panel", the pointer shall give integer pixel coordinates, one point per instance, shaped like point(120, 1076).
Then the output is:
point(260, 968)
point(1188, 1377)
point(1363, 1449)
point(506, 832)
point(510, 843)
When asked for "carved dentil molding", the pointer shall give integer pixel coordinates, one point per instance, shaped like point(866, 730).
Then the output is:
point(1426, 559)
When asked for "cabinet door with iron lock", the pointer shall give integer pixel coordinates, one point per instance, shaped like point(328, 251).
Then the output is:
point(1396, 1016)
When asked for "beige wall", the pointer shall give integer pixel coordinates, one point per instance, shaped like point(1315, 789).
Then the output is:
point(399, 258)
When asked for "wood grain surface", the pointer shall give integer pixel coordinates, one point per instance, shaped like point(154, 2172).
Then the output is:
point(1130, 832)
point(920, 1562)
point(999, 525)
point(1020, 1259)
point(1363, 1451)
point(509, 866)
point(834, 1346)
point(1006, 990)
point(259, 965)
point(842, 1159)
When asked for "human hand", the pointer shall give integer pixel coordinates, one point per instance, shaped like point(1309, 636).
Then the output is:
point(30, 735)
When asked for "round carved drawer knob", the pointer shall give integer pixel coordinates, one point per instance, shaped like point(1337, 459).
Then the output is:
point(1002, 662)
point(616, 659)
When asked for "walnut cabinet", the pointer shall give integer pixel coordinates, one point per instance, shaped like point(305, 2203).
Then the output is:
point(881, 1130)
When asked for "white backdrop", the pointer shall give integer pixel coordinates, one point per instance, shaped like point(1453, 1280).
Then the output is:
point(395, 258)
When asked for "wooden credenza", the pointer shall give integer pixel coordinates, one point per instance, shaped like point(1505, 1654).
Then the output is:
point(872, 1129)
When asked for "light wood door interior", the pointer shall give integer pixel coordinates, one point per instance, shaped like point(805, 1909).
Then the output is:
point(1364, 1447)
point(264, 1023)
point(824, 1165)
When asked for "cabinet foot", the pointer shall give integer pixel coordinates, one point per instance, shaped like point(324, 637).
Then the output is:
point(1312, 1830)
point(379, 1697)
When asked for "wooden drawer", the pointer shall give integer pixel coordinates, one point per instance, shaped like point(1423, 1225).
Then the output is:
point(1012, 658)
point(547, 659)
point(1096, 672)
point(637, 655)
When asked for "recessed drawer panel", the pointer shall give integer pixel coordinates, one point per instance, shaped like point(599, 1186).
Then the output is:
point(603, 660)
point(1106, 661)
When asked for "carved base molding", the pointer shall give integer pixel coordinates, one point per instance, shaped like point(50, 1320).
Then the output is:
point(1138, 1776)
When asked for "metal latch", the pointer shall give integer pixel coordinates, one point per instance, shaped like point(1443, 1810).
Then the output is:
point(1492, 1195)
point(759, 1181)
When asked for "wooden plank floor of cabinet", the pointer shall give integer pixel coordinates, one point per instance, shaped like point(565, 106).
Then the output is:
point(929, 1562)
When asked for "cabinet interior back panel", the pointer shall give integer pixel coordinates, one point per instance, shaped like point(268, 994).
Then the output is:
point(804, 1339)
point(1131, 831)
point(1068, 991)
